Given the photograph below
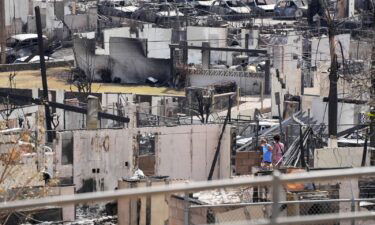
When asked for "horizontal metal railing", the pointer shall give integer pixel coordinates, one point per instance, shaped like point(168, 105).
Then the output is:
point(275, 181)
point(284, 202)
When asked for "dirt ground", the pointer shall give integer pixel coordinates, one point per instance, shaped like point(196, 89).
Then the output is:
point(57, 79)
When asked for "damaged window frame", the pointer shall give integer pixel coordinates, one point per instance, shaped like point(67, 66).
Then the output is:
point(146, 143)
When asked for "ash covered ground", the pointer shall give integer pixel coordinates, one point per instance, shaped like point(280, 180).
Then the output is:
point(93, 215)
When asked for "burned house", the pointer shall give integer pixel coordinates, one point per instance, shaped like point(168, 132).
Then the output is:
point(113, 154)
point(126, 63)
point(183, 92)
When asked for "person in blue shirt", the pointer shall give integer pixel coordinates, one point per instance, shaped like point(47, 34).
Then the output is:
point(267, 153)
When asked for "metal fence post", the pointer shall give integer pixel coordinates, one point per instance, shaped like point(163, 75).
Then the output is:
point(275, 196)
point(353, 210)
point(186, 209)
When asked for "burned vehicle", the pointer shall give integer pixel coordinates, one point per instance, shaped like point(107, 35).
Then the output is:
point(33, 59)
point(161, 14)
point(261, 7)
point(290, 9)
point(189, 10)
point(203, 6)
point(230, 10)
point(22, 45)
point(116, 8)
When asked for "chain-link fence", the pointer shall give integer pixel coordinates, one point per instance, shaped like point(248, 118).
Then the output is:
point(255, 204)
point(256, 212)
point(329, 197)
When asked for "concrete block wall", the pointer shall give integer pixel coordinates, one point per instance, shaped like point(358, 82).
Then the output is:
point(246, 160)
point(28, 168)
point(176, 211)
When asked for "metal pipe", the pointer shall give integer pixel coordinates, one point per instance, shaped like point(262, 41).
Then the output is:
point(186, 209)
point(275, 195)
point(252, 51)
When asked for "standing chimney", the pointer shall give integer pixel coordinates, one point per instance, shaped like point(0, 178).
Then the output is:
point(92, 121)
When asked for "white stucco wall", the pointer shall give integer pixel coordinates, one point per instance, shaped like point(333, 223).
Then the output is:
point(182, 152)
point(347, 114)
point(90, 152)
point(158, 39)
point(81, 22)
point(320, 57)
point(114, 32)
point(186, 152)
point(16, 9)
point(286, 59)
point(216, 36)
point(339, 157)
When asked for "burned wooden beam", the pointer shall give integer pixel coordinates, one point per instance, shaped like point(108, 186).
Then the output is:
point(351, 130)
point(21, 98)
point(207, 48)
point(349, 101)
point(67, 107)
point(71, 108)
point(113, 117)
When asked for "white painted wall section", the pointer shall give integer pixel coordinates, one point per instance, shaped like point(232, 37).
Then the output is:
point(217, 37)
point(158, 39)
point(16, 9)
point(339, 157)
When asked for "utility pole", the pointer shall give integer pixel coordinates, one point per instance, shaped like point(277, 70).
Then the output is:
point(2, 32)
point(332, 98)
point(98, 29)
point(372, 91)
point(333, 78)
point(278, 102)
point(43, 73)
point(216, 156)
